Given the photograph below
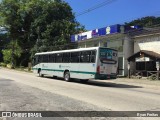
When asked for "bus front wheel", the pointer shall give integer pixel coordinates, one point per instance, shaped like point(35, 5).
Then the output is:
point(67, 76)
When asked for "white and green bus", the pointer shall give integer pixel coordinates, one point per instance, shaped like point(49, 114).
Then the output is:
point(83, 63)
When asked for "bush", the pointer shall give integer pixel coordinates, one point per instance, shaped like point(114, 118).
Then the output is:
point(3, 64)
point(153, 77)
point(9, 66)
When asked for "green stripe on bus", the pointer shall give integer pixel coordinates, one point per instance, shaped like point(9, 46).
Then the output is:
point(53, 70)
point(83, 72)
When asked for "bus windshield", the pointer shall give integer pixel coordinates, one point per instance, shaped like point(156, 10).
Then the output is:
point(108, 56)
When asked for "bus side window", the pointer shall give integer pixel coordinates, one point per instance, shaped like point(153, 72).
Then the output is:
point(39, 59)
point(45, 58)
point(53, 58)
point(93, 56)
point(58, 58)
point(36, 59)
point(66, 57)
point(50, 58)
point(85, 56)
point(75, 57)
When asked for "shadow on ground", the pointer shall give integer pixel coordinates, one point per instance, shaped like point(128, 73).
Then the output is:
point(99, 83)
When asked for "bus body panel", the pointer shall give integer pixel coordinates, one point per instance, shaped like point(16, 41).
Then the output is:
point(88, 73)
point(56, 69)
point(107, 66)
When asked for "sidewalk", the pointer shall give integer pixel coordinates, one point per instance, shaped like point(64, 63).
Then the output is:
point(154, 84)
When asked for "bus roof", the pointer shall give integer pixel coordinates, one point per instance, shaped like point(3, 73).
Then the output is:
point(70, 50)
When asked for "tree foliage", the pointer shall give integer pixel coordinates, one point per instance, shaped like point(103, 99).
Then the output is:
point(148, 21)
point(11, 54)
point(39, 25)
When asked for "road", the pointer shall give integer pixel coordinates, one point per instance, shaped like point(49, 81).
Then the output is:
point(22, 91)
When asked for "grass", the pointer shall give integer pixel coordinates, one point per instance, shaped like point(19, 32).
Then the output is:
point(20, 68)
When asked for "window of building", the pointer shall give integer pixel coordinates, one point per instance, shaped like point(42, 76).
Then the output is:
point(105, 44)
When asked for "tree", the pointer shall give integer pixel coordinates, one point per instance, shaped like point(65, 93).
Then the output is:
point(12, 53)
point(148, 21)
point(54, 26)
point(3, 41)
point(38, 25)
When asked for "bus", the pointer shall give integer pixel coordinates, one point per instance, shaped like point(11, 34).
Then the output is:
point(83, 63)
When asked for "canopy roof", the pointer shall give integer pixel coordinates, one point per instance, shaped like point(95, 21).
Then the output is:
point(145, 53)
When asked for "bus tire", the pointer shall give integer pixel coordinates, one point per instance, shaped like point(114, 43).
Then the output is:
point(40, 74)
point(67, 76)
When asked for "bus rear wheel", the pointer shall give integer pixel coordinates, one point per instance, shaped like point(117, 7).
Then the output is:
point(40, 73)
point(67, 76)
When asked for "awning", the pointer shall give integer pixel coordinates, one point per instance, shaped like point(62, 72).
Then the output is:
point(144, 53)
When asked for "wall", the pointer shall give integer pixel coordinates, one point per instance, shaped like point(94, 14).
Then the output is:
point(120, 42)
point(128, 51)
point(150, 43)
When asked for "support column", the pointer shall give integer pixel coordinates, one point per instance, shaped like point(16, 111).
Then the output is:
point(129, 72)
point(157, 66)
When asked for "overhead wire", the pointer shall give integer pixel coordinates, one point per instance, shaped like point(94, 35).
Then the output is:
point(106, 2)
point(136, 31)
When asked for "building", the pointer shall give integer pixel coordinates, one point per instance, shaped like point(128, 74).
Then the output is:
point(115, 36)
point(146, 57)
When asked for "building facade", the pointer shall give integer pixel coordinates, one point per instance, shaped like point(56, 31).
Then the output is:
point(114, 37)
point(146, 57)
point(150, 42)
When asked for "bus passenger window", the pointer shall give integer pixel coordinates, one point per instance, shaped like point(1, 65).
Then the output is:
point(75, 57)
point(93, 56)
point(85, 56)
point(58, 58)
point(45, 58)
point(66, 57)
point(51, 58)
point(40, 58)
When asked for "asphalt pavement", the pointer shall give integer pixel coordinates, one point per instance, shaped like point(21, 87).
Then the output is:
point(21, 91)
